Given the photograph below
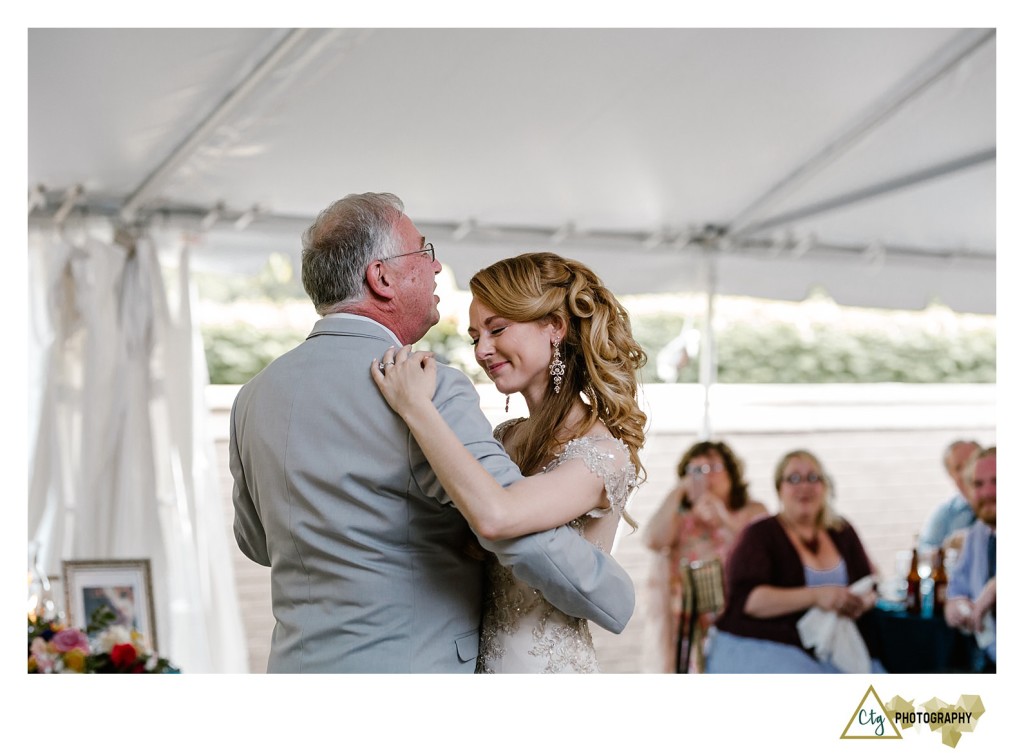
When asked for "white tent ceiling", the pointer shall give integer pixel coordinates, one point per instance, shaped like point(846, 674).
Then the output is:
point(861, 160)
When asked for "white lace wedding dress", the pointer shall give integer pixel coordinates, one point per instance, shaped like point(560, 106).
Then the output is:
point(522, 632)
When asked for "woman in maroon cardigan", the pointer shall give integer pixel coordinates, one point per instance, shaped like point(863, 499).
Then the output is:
point(803, 557)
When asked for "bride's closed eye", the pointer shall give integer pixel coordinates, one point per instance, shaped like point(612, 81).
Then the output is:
point(494, 333)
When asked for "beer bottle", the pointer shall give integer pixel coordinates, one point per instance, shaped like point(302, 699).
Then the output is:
point(913, 586)
point(941, 580)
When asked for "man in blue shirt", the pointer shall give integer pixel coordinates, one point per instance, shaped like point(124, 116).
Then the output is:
point(956, 513)
point(971, 597)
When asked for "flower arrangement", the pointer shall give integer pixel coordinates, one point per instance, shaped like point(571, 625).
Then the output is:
point(102, 648)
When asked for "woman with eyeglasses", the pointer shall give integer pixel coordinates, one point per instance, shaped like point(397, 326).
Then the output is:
point(805, 556)
point(698, 521)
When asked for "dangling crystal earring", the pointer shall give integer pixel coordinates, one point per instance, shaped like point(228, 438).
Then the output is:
point(506, 402)
point(557, 368)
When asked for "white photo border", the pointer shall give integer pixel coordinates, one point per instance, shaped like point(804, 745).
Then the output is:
point(82, 574)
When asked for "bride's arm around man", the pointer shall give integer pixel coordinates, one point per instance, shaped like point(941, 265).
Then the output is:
point(545, 327)
point(368, 557)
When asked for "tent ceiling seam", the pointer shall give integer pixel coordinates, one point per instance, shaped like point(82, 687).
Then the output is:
point(194, 140)
point(962, 46)
point(203, 220)
point(872, 191)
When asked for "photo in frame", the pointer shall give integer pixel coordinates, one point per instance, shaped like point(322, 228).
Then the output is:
point(124, 586)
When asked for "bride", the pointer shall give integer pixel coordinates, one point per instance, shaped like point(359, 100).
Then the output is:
point(547, 328)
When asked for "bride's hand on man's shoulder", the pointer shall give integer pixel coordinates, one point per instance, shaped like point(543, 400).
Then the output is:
point(405, 377)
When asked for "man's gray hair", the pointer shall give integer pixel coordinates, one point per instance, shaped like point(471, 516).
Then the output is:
point(947, 455)
point(341, 243)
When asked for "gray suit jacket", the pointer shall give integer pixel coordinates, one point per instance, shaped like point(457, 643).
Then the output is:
point(368, 558)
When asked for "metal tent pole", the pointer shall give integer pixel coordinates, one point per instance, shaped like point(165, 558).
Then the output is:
point(708, 361)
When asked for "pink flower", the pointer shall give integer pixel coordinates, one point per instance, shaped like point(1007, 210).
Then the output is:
point(67, 640)
point(41, 653)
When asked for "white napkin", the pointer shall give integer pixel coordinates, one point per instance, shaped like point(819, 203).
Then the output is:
point(987, 636)
point(836, 639)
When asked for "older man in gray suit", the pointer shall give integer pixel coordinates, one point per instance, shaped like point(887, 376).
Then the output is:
point(371, 565)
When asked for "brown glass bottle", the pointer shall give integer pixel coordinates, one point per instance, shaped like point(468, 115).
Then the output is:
point(913, 586)
point(940, 581)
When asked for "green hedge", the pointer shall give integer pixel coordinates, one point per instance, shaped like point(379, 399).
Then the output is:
point(236, 354)
point(749, 352)
point(779, 353)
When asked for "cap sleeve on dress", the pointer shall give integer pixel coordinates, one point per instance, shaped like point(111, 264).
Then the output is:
point(500, 429)
point(609, 459)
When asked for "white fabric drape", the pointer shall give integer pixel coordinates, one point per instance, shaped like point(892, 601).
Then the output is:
point(121, 463)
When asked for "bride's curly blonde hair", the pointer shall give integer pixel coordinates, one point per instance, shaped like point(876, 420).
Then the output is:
point(601, 357)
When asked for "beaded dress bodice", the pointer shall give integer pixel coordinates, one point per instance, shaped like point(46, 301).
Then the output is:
point(522, 632)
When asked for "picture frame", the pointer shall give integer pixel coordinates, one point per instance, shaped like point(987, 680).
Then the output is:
point(123, 585)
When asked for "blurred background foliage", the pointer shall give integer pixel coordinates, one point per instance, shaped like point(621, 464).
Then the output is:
point(235, 354)
point(749, 352)
point(250, 321)
point(773, 352)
